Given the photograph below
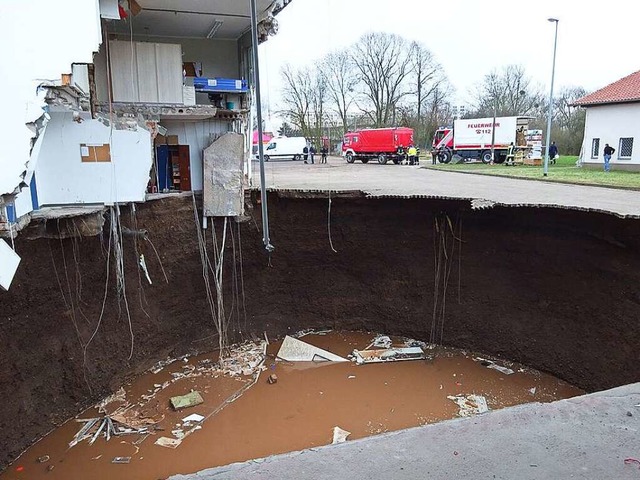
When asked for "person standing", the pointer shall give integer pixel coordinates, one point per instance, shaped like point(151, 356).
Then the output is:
point(324, 151)
point(553, 152)
point(312, 152)
point(608, 151)
point(413, 153)
point(305, 153)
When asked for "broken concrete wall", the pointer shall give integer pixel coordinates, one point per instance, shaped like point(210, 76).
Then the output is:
point(63, 177)
point(223, 176)
point(36, 54)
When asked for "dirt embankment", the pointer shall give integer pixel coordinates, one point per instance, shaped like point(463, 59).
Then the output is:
point(554, 289)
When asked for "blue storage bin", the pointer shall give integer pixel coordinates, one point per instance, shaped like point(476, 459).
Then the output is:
point(202, 84)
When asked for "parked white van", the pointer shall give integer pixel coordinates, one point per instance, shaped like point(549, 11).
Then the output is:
point(285, 147)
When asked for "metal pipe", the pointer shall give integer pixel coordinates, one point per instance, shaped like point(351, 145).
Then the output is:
point(545, 169)
point(256, 81)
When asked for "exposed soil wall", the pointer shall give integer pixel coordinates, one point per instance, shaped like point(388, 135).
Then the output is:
point(554, 289)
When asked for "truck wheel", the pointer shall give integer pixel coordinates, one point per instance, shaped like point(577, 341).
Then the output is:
point(364, 160)
point(266, 158)
point(486, 156)
point(382, 159)
point(297, 158)
point(445, 156)
point(349, 158)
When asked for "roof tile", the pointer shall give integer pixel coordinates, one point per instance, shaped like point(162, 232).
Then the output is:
point(626, 89)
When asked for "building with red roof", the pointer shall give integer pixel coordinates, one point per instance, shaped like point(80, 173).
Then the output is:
point(613, 117)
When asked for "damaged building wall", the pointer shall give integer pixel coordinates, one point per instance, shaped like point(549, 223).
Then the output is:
point(88, 162)
point(30, 54)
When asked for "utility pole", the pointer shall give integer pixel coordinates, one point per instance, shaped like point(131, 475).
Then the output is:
point(545, 169)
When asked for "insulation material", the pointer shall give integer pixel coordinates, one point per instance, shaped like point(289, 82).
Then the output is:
point(294, 350)
point(9, 261)
point(222, 189)
point(95, 153)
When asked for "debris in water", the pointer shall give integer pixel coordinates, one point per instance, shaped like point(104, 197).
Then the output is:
point(168, 442)
point(119, 396)
point(491, 364)
point(191, 399)
point(532, 391)
point(194, 417)
point(273, 378)
point(50, 467)
point(97, 458)
point(351, 376)
point(121, 460)
point(470, 404)
point(339, 435)
point(43, 459)
point(294, 350)
point(381, 341)
point(387, 355)
point(310, 331)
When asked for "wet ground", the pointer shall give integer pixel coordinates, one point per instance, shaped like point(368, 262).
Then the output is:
point(299, 411)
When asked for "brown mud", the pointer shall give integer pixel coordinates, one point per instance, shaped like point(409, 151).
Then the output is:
point(552, 289)
point(297, 412)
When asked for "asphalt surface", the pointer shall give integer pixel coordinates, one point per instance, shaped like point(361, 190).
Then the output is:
point(412, 181)
point(587, 437)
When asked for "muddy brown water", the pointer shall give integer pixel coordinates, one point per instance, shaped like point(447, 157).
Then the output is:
point(297, 412)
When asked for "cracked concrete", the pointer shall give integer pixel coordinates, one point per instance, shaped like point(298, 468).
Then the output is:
point(587, 437)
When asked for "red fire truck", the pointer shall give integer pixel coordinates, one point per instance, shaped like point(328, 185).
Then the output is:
point(382, 144)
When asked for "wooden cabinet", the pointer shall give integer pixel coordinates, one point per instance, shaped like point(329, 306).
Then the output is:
point(174, 167)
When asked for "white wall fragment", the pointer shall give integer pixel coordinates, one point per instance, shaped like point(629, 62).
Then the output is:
point(9, 261)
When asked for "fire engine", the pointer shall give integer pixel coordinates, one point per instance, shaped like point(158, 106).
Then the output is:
point(382, 144)
point(471, 139)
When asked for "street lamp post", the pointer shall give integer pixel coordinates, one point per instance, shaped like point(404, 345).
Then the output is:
point(553, 76)
point(493, 133)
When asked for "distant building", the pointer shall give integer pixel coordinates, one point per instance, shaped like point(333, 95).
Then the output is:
point(613, 117)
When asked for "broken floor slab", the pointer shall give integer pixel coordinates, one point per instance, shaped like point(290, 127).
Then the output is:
point(388, 355)
point(294, 350)
point(587, 437)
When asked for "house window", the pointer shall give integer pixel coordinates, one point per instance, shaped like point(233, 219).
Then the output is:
point(595, 147)
point(625, 148)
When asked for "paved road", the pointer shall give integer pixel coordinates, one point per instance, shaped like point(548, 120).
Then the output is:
point(404, 180)
point(586, 437)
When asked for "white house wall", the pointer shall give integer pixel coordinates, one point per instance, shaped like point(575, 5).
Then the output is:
point(609, 123)
point(62, 178)
point(198, 135)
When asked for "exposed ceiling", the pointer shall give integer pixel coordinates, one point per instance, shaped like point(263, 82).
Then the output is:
point(191, 18)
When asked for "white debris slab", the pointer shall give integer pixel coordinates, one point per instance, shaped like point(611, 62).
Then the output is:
point(9, 261)
point(194, 417)
point(294, 350)
point(470, 404)
point(494, 366)
point(388, 355)
point(339, 435)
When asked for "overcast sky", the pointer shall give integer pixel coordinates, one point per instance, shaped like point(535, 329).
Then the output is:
point(596, 41)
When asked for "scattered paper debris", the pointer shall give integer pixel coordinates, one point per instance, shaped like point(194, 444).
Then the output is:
point(121, 460)
point(339, 435)
point(294, 350)
point(470, 404)
point(387, 355)
point(194, 417)
point(168, 442)
point(381, 341)
point(491, 364)
point(189, 400)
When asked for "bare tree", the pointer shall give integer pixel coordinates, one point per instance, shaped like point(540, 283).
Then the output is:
point(342, 79)
point(568, 120)
point(510, 92)
point(296, 97)
point(318, 99)
point(383, 62)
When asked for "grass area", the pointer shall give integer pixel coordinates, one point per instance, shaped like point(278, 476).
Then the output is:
point(564, 171)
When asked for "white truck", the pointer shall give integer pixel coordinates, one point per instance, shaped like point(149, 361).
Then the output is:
point(470, 139)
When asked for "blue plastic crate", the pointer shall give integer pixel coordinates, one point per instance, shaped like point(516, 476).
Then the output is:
point(203, 84)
